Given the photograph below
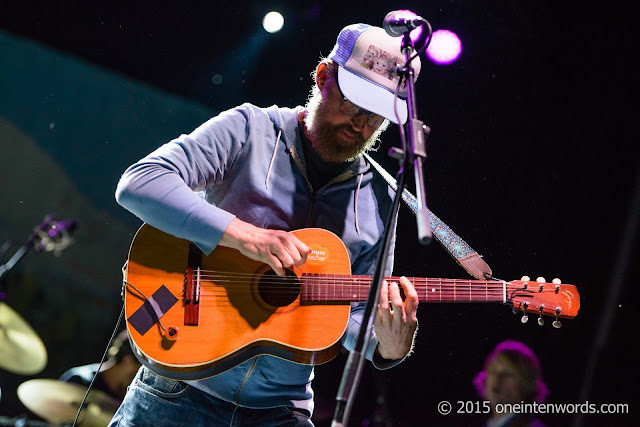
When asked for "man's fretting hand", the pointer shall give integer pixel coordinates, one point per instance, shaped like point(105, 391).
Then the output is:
point(396, 320)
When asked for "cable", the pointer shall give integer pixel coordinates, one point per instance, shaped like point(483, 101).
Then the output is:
point(113, 335)
point(426, 41)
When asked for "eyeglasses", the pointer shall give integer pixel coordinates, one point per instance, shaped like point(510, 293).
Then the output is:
point(350, 109)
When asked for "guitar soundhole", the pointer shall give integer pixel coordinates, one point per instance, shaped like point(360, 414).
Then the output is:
point(278, 291)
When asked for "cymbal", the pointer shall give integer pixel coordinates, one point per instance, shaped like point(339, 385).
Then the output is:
point(59, 401)
point(21, 350)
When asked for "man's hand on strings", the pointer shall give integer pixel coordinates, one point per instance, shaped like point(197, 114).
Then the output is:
point(396, 320)
point(279, 249)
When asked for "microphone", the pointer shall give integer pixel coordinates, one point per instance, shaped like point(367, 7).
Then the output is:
point(399, 22)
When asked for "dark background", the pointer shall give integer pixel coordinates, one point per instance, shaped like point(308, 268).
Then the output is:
point(533, 160)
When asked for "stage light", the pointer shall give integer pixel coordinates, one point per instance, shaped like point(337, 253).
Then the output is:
point(273, 22)
point(445, 47)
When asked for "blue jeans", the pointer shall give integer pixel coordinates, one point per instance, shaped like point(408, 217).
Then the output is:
point(156, 401)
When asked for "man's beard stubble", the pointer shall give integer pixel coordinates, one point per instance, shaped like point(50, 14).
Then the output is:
point(324, 136)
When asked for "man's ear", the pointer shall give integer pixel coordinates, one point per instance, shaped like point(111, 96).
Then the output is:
point(321, 75)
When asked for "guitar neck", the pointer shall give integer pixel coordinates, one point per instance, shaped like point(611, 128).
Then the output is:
point(341, 288)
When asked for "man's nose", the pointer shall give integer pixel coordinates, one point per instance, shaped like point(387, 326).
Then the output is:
point(359, 121)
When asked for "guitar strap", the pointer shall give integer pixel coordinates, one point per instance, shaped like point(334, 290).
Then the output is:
point(469, 259)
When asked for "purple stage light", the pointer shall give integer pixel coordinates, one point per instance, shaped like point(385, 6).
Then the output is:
point(445, 47)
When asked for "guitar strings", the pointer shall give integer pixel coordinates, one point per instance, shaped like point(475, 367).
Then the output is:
point(320, 286)
point(293, 290)
point(453, 293)
point(206, 273)
point(283, 283)
point(345, 278)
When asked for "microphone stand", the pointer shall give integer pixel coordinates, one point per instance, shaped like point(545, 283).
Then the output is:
point(50, 235)
point(353, 368)
point(28, 245)
point(416, 132)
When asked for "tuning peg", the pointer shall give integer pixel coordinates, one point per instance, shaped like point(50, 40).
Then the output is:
point(540, 280)
point(524, 318)
point(556, 323)
point(525, 278)
point(556, 281)
point(540, 319)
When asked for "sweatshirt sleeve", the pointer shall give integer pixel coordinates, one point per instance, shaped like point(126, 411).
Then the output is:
point(160, 189)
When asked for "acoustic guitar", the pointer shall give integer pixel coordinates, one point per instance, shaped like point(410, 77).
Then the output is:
point(191, 316)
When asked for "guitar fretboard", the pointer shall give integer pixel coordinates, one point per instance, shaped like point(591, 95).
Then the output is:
point(336, 288)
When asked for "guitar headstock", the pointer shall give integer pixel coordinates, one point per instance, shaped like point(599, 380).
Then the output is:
point(545, 299)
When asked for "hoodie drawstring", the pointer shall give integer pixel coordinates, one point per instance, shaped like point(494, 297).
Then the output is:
point(355, 205)
point(273, 157)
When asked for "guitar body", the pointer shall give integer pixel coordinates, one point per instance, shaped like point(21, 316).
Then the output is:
point(242, 308)
point(192, 316)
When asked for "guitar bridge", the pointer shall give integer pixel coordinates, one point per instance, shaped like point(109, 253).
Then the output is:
point(192, 288)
